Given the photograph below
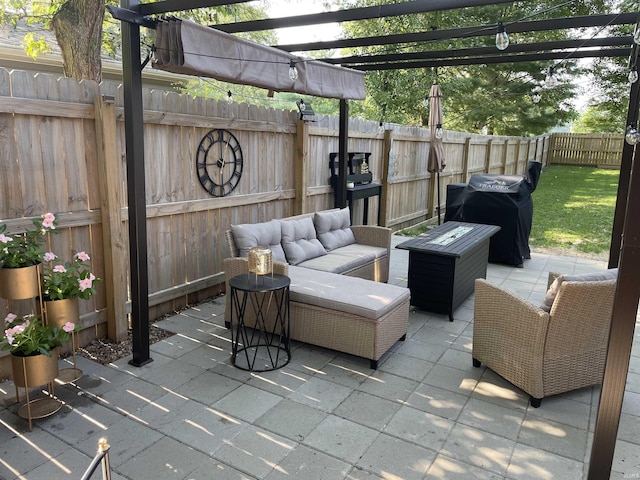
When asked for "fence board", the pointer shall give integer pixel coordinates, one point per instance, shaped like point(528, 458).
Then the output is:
point(49, 161)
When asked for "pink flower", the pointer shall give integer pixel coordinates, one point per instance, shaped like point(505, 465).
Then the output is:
point(10, 318)
point(20, 328)
point(59, 269)
point(9, 334)
point(82, 256)
point(85, 283)
point(68, 327)
point(50, 257)
point(48, 219)
point(4, 238)
point(92, 277)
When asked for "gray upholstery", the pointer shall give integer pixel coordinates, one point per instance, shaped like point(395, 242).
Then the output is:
point(611, 274)
point(333, 229)
point(347, 294)
point(344, 259)
point(251, 235)
point(299, 240)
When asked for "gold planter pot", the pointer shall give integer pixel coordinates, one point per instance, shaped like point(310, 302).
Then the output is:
point(59, 312)
point(34, 370)
point(19, 283)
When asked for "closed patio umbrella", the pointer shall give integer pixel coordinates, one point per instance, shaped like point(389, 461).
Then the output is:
point(436, 161)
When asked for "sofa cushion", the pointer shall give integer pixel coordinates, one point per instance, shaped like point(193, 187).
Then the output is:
point(344, 259)
point(251, 235)
point(333, 229)
point(299, 240)
point(357, 296)
point(611, 274)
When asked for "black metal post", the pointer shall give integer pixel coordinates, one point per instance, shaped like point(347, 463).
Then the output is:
point(625, 252)
point(625, 170)
point(134, 138)
point(341, 192)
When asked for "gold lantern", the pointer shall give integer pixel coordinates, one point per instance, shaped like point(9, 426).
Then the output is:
point(260, 261)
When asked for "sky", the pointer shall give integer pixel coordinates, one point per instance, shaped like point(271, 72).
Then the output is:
point(287, 8)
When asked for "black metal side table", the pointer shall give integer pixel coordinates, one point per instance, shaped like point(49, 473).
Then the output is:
point(260, 322)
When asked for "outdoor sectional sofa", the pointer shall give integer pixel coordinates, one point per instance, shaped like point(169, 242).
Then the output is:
point(339, 298)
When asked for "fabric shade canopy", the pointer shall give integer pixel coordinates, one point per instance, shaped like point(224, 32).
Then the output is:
point(186, 47)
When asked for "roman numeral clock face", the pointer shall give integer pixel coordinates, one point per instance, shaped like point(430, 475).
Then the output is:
point(219, 162)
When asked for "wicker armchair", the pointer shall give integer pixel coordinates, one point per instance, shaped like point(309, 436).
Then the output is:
point(544, 353)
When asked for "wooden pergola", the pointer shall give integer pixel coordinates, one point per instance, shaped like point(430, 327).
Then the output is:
point(625, 242)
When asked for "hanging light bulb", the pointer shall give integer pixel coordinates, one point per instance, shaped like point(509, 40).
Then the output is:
point(302, 106)
point(502, 39)
point(631, 136)
point(381, 127)
point(535, 98)
point(636, 35)
point(439, 131)
point(293, 71)
point(633, 75)
point(551, 80)
point(425, 102)
point(229, 96)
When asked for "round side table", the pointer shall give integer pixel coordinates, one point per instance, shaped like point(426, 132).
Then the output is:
point(260, 322)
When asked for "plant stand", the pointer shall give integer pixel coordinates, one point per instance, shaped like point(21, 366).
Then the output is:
point(29, 372)
point(58, 312)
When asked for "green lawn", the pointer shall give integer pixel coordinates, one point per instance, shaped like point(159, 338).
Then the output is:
point(573, 209)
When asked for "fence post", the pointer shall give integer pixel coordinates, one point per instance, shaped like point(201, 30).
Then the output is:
point(487, 158)
point(386, 161)
point(466, 150)
point(505, 154)
point(115, 255)
point(300, 161)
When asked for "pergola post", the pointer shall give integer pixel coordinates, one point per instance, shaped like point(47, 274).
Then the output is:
point(343, 133)
point(134, 140)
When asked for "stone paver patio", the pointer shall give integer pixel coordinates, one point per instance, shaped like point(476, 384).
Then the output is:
point(426, 413)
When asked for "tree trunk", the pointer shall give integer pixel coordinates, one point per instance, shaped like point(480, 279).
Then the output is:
point(78, 29)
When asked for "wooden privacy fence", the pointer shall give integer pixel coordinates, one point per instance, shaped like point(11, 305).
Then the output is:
point(596, 150)
point(62, 151)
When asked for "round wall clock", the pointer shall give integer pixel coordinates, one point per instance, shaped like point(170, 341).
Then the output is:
point(219, 162)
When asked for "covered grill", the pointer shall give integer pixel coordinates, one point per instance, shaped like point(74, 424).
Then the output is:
point(502, 200)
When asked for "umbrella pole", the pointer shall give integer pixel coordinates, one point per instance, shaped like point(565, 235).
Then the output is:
point(438, 189)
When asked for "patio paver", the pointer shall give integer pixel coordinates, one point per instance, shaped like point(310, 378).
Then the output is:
point(426, 413)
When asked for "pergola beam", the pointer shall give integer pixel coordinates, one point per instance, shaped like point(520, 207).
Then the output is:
point(495, 59)
point(353, 14)
point(479, 51)
point(181, 5)
point(468, 32)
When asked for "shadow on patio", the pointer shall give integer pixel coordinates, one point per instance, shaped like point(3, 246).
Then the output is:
point(425, 413)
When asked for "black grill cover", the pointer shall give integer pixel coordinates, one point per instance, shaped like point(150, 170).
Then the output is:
point(502, 200)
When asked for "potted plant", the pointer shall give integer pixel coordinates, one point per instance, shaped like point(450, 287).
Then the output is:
point(63, 285)
point(20, 255)
point(33, 346)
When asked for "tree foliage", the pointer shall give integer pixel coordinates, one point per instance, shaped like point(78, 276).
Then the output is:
point(495, 98)
point(84, 33)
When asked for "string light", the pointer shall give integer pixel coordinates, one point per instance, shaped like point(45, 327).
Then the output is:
point(302, 106)
point(381, 127)
point(229, 96)
point(632, 137)
point(502, 39)
point(293, 71)
point(636, 35)
point(535, 97)
point(439, 131)
point(633, 75)
point(425, 102)
point(551, 80)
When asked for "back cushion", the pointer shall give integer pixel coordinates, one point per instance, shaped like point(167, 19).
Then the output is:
point(266, 234)
point(334, 229)
point(299, 241)
point(611, 274)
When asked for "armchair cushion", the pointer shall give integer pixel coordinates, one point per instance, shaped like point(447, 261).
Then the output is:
point(252, 235)
point(334, 229)
point(299, 240)
point(611, 274)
